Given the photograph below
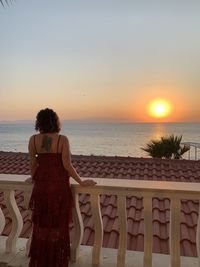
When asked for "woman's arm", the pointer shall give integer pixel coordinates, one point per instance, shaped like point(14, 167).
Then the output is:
point(32, 152)
point(66, 158)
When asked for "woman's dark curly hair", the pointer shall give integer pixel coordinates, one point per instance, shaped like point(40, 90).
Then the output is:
point(47, 121)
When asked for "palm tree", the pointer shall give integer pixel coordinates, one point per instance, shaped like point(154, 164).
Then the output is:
point(167, 147)
point(5, 2)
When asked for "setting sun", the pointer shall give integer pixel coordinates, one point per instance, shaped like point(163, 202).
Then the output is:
point(159, 108)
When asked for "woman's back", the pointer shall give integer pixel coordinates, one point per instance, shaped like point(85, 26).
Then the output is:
point(46, 151)
point(47, 143)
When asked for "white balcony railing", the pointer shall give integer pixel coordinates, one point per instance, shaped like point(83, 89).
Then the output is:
point(194, 149)
point(175, 191)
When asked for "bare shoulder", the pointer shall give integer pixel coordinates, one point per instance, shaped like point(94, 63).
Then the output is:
point(64, 139)
point(31, 139)
point(31, 143)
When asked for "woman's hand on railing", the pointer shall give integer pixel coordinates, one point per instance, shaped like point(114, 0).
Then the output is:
point(88, 182)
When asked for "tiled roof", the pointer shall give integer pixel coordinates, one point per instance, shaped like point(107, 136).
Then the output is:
point(122, 168)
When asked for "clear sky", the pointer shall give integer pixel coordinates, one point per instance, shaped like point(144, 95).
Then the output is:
point(100, 58)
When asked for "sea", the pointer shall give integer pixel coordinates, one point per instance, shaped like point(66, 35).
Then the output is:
point(100, 138)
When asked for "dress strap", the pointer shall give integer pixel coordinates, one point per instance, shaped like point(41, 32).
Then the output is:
point(35, 144)
point(58, 143)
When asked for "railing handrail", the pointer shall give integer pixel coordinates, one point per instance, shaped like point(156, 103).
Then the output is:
point(194, 144)
point(185, 190)
point(104, 185)
point(10, 178)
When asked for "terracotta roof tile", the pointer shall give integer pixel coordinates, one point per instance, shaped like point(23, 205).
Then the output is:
point(86, 209)
point(188, 219)
point(113, 240)
point(123, 168)
point(140, 243)
point(109, 211)
point(83, 199)
point(187, 248)
point(184, 232)
point(159, 216)
point(164, 246)
point(131, 212)
point(156, 244)
point(108, 224)
point(86, 237)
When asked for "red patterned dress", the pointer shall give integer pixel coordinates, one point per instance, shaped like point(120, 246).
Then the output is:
point(51, 203)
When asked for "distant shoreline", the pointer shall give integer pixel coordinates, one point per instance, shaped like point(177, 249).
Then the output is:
point(99, 121)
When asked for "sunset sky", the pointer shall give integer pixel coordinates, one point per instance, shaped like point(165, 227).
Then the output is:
point(100, 59)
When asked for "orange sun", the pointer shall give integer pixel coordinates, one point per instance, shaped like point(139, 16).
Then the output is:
point(159, 108)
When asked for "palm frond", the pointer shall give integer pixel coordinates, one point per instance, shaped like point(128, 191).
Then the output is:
point(154, 149)
point(168, 147)
point(5, 2)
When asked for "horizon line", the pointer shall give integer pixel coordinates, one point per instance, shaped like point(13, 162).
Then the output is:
point(97, 120)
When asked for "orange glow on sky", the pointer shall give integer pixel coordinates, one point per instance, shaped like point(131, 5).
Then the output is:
point(95, 63)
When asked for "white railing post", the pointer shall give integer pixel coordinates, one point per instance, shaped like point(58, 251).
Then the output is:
point(17, 221)
point(198, 237)
point(2, 221)
point(122, 220)
point(78, 228)
point(98, 228)
point(195, 153)
point(175, 232)
point(148, 231)
point(189, 153)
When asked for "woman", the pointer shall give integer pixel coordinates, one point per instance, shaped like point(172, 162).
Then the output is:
point(51, 199)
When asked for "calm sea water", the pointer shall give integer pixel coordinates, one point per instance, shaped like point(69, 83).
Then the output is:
point(91, 138)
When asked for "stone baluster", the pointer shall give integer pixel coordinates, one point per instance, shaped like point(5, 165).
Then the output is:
point(98, 228)
point(122, 219)
point(175, 232)
point(2, 221)
point(17, 221)
point(148, 231)
point(78, 228)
